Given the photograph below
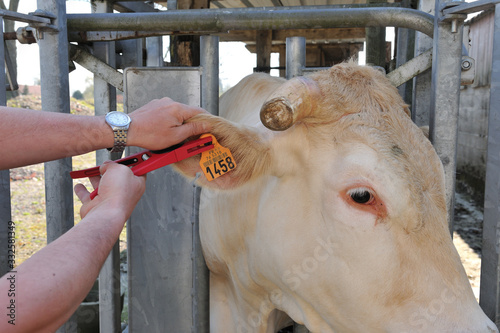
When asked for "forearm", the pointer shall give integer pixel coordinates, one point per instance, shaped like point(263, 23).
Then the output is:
point(52, 283)
point(30, 137)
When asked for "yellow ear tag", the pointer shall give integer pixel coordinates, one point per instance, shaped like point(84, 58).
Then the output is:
point(216, 161)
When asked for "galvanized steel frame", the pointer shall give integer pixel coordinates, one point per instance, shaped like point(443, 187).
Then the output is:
point(489, 297)
point(445, 73)
point(203, 21)
point(5, 208)
point(54, 78)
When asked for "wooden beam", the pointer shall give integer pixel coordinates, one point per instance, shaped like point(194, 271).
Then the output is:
point(343, 34)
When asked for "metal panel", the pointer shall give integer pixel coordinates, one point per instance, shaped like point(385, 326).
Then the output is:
point(481, 48)
point(490, 268)
point(160, 237)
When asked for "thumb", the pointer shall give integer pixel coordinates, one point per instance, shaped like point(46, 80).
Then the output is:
point(82, 193)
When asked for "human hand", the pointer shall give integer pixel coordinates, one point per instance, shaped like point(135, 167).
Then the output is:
point(119, 189)
point(161, 124)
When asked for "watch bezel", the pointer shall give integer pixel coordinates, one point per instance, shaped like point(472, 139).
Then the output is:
point(124, 116)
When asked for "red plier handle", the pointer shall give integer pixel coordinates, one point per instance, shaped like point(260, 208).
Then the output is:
point(147, 160)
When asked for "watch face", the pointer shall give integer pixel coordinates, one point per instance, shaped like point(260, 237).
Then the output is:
point(116, 118)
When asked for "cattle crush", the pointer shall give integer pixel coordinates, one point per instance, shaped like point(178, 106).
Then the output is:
point(157, 253)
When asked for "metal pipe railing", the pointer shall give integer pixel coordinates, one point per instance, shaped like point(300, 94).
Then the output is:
point(215, 20)
point(54, 76)
point(295, 56)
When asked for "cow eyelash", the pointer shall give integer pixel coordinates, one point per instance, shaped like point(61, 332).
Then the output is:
point(361, 195)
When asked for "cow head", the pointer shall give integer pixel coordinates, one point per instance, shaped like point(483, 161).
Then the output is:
point(340, 220)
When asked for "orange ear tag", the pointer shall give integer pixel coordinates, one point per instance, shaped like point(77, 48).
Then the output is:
point(216, 161)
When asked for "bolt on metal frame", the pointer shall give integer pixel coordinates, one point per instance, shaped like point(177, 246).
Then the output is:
point(446, 28)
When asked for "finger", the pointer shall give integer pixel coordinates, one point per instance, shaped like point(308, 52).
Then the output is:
point(82, 193)
point(191, 111)
point(191, 129)
point(95, 181)
point(105, 166)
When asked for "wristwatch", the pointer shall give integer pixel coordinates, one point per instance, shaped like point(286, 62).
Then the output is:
point(119, 122)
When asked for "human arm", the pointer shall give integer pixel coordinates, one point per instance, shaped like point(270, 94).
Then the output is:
point(53, 282)
point(29, 137)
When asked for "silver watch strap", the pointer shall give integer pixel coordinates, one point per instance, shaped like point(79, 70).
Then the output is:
point(120, 141)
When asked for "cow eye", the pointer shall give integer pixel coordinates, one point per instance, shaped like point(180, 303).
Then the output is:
point(361, 196)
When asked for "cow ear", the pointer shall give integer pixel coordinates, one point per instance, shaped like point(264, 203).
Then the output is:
point(251, 153)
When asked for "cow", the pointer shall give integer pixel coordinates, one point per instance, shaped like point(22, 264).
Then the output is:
point(335, 215)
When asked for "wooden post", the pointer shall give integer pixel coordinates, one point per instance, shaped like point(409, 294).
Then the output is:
point(264, 44)
point(185, 50)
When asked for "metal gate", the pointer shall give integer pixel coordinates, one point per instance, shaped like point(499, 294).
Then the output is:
point(154, 227)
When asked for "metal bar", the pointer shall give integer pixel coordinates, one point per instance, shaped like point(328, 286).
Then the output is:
point(11, 70)
point(201, 296)
point(375, 44)
point(209, 57)
point(471, 7)
point(104, 102)
point(5, 208)
point(26, 18)
point(295, 56)
point(97, 66)
point(489, 297)
point(101, 36)
point(54, 77)
point(55, 97)
point(3, 77)
point(109, 293)
point(420, 105)
point(5, 217)
point(405, 51)
point(410, 69)
point(172, 5)
point(221, 20)
point(154, 47)
point(445, 98)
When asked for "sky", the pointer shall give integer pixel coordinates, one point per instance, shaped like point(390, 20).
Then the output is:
point(28, 57)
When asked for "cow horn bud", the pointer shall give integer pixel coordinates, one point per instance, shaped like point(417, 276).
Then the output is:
point(291, 102)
